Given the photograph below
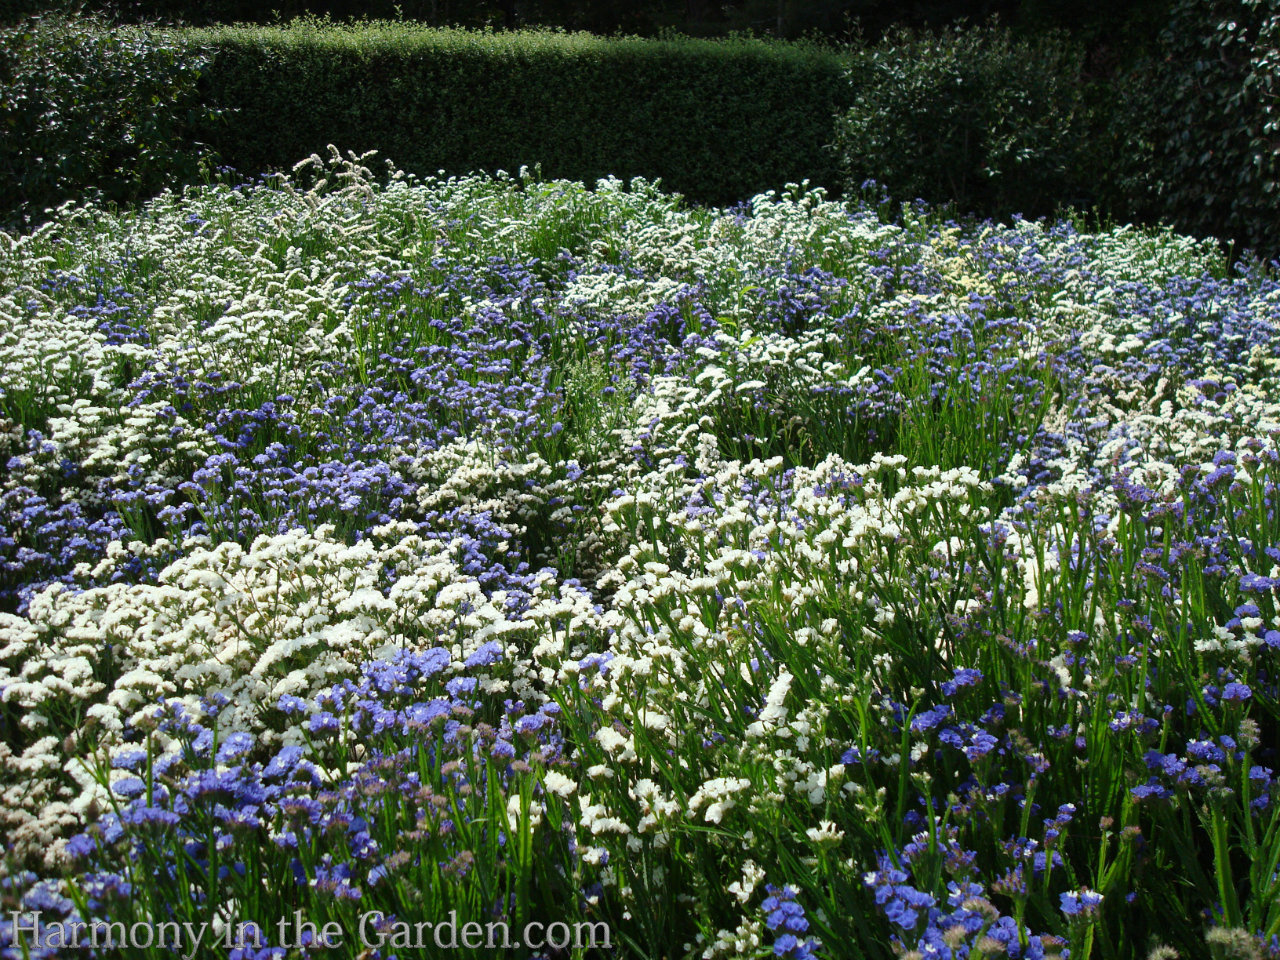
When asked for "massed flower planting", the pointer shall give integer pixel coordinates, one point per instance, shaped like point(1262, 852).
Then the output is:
point(782, 581)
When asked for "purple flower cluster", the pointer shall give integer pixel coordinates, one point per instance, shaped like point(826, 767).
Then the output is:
point(432, 768)
point(968, 925)
point(43, 539)
point(785, 918)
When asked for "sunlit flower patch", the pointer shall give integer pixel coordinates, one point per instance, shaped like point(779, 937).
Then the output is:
point(795, 580)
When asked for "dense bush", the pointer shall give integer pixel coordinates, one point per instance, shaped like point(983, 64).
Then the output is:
point(1217, 121)
point(89, 112)
point(973, 116)
point(715, 120)
point(993, 124)
point(209, 12)
point(978, 117)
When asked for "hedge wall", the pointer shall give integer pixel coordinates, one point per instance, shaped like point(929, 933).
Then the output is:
point(716, 120)
point(978, 117)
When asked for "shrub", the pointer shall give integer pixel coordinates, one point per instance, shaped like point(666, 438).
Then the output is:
point(1217, 125)
point(970, 115)
point(94, 113)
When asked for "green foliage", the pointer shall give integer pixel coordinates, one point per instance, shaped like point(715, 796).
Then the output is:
point(995, 125)
point(1217, 119)
point(1114, 32)
point(91, 112)
point(1100, 23)
point(1118, 149)
point(974, 116)
point(716, 120)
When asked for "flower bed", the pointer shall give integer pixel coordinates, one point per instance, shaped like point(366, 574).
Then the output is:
point(776, 581)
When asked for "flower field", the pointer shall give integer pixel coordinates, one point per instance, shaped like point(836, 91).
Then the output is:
point(784, 581)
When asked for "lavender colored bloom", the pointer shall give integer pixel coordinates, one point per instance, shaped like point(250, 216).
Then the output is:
point(460, 685)
point(139, 814)
point(1080, 904)
point(785, 916)
point(930, 718)
point(1205, 750)
point(129, 759)
point(1151, 790)
point(962, 677)
point(486, 654)
point(530, 723)
point(283, 762)
point(422, 714)
point(1236, 693)
point(323, 722)
point(234, 745)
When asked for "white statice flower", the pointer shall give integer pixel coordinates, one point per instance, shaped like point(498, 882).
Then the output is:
point(615, 744)
point(774, 711)
point(595, 817)
point(826, 833)
point(558, 784)
point(752, 874)
point(517, 814)
point(717, 796)
point(742, 942)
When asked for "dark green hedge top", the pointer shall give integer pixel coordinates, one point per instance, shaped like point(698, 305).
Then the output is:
point(716, 120)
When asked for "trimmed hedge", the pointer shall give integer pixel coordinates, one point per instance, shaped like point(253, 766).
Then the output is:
point(717, 121)
point(977, 117)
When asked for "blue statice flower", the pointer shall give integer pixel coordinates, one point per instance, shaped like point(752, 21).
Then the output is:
point(139, 814)
point(974, 742)
point(257, 953)
point(530, 723)
point(961, 678)
point(234, 745)
point(81, 845)
point(129, 788)
point(1236, 693)
point(128, 759)
point(289, 704)
point(284, 762)
point(1126, 720)
point(901, 903)
point(1081, 904)
point(323, 722)
point(460, 685)
point(785, 917)
point(930, 718)
point(337, 879)
point(405, 669)
point(1151, 790)
point(953, 931)
point(487, 653)
point(1205, 751)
